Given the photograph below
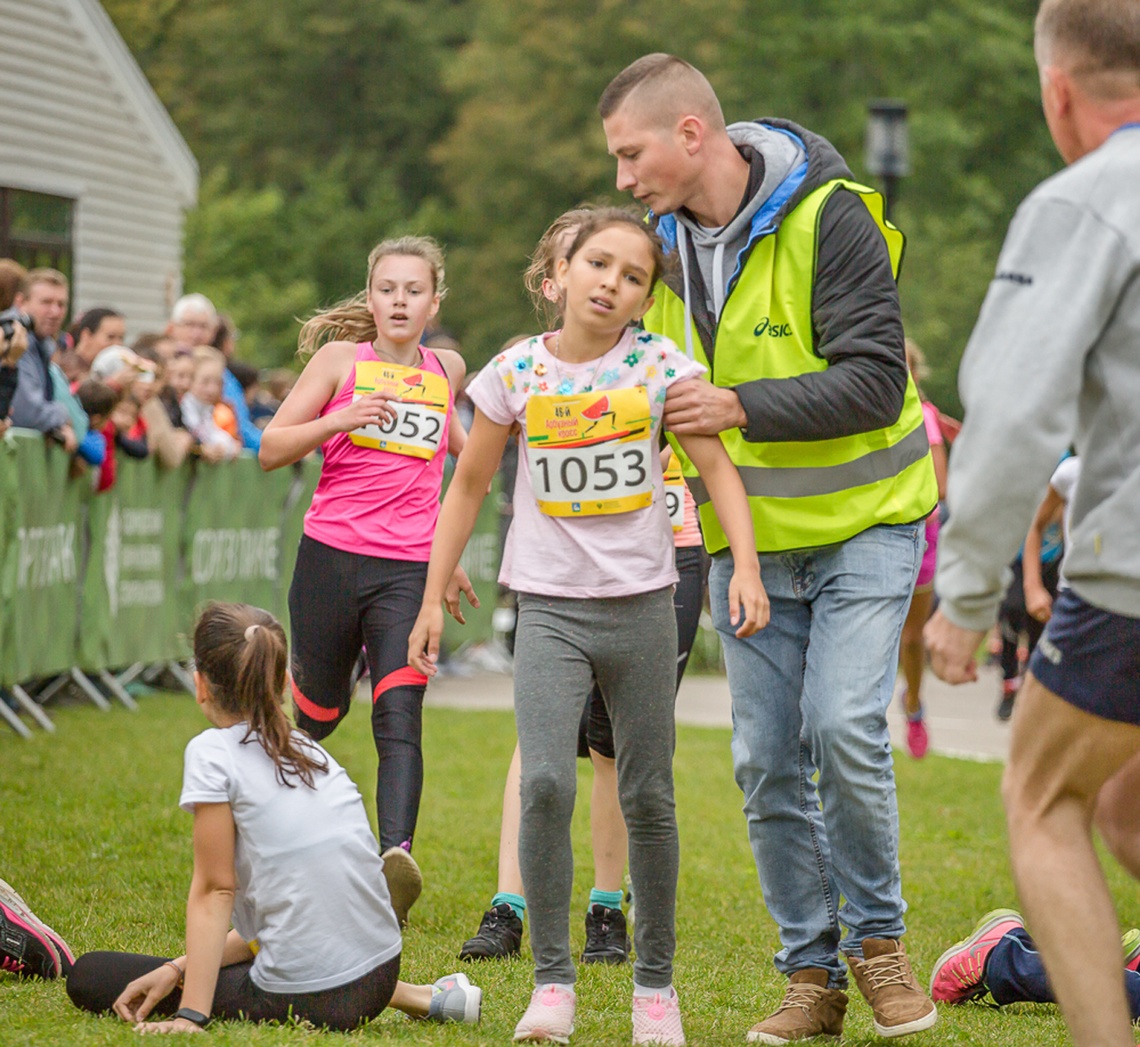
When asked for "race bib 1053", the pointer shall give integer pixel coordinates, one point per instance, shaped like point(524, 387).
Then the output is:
point(420, 401)
point(590, 454)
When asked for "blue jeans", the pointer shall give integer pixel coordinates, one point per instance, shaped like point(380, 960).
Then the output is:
point(810, 744)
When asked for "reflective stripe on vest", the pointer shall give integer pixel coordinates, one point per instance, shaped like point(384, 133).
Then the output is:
point(803, 493)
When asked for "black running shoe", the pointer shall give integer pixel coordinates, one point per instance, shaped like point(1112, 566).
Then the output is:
point(24, 949)
point(607, 940)
point(499, 936)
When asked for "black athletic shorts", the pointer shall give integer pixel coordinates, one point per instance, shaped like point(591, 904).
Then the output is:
point(1091, 659)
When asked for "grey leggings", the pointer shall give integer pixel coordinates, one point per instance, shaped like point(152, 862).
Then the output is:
point(629, 646)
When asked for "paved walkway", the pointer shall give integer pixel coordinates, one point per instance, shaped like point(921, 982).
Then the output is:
point(960, 720)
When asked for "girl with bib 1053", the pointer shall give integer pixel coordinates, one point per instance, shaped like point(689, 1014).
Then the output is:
point(380, 407)
point(590, 554)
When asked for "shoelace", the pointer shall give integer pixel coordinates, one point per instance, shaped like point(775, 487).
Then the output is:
point(889, 969)
point(490, 922)
point(802, 995)
point(15, 966)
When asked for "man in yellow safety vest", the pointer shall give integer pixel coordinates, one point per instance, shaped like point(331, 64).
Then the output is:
point(784, 288)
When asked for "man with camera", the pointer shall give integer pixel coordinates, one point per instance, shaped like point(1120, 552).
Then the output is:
point(13, 343)
point(35, 405)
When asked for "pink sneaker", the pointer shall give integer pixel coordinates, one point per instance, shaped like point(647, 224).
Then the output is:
point(658, 1021)
point(549, 1017)
point(10, 898)
point(960, 973)
point(917, 740)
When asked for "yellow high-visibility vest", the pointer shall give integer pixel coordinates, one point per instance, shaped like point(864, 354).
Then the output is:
point(810, 493)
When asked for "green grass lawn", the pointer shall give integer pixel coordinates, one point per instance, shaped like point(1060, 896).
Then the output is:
point(92, 836)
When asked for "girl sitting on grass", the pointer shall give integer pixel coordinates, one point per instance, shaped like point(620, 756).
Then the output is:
point(283, 849)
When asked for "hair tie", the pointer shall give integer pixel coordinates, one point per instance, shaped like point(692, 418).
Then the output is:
point(250, 630)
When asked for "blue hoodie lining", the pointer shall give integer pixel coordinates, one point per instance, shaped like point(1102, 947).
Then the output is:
point(761, 221)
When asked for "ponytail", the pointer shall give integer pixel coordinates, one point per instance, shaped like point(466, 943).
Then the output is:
point(243, 655)
point(349, 321)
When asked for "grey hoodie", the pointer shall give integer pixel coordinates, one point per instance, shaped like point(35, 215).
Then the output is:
point(1054, 359)
point(717, 250)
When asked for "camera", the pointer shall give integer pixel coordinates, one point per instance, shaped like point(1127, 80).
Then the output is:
point(10, 317)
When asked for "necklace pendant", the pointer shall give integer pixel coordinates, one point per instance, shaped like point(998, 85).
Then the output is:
point(540, 369)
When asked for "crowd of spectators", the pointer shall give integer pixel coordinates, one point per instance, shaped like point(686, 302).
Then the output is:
point(169, 394)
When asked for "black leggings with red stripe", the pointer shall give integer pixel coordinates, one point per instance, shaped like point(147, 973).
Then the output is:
point(339, 601)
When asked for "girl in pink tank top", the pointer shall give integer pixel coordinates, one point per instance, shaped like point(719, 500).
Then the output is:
point(380, 408)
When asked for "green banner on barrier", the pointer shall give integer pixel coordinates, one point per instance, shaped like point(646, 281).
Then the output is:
point(9, 492)
point(130, 585)
point(232, 536)
point(102, 581)
point(43, 560)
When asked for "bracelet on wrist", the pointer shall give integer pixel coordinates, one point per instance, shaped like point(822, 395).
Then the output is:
point(197, 1017)
point(181, 972)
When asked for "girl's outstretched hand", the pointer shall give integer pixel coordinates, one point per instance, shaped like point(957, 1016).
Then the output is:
point(138, 999)
point(748, 598)
point(423, 643)
point(459, 583)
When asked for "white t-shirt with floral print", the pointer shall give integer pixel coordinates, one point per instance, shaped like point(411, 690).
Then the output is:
point(584, 557)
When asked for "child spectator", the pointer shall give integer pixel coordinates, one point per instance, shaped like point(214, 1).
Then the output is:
point(179, 375)
point(170, 444)
point(204, 394)
point(98, 400)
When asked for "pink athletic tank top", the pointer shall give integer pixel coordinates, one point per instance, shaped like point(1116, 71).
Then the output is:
point(375, 502)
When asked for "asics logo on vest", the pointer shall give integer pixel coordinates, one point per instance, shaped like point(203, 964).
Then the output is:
point(766, 327)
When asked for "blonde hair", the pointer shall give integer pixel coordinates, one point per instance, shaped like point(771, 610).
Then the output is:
point(351, 320)
point(207, 354)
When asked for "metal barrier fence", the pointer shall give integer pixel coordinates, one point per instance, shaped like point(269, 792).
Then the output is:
point(96, 588)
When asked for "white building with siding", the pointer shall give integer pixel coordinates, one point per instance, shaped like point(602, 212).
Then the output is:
point(94, 176)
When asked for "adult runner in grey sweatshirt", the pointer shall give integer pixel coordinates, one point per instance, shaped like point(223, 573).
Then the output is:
point(1055, 358)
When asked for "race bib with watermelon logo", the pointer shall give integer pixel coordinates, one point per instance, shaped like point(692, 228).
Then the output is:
point(590, 454)
point(675, 493)
point(419, 398)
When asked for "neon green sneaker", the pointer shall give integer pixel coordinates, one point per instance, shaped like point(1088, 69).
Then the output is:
point(1130, 942)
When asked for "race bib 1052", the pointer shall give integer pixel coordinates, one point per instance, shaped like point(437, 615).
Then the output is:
point(419, 398)
point(590, 454)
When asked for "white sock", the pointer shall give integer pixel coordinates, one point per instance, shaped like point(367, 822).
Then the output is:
point(666, 993)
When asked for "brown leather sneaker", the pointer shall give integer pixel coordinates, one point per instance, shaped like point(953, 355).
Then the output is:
point(900, 1005)
point(809, 1008)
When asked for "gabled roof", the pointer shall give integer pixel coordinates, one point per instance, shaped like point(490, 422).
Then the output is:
point(128, 77)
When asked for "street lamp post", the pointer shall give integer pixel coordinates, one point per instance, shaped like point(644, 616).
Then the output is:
point(887, 149)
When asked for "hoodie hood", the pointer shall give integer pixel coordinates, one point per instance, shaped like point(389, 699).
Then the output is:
point(795, 163)
point(785, 183)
